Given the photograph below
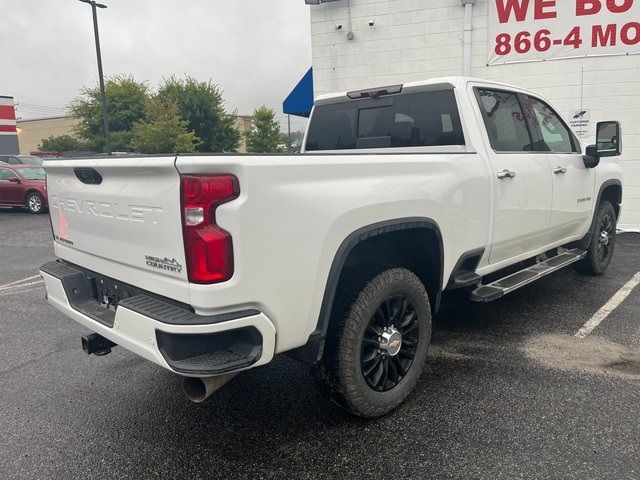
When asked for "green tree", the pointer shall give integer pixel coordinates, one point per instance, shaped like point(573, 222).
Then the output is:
point(127, 101)
point(62, 143)
point(121, 141)
point(202, 106)
point(164, 132)
point(264, 135)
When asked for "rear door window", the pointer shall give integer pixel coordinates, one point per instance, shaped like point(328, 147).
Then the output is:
point(410, 120)
point(504, 120)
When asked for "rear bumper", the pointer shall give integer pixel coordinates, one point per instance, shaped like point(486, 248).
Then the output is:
point(164, 333)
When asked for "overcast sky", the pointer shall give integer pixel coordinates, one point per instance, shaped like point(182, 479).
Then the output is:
point(256, 50)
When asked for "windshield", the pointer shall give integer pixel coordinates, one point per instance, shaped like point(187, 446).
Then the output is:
point(30, 160)
point(410, 120)
point(32, 173)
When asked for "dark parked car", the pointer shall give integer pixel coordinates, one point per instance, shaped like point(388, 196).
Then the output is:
point(23, 186)
point(21, 160)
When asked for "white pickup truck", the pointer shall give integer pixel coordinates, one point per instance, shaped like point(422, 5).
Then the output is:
point(211, 264)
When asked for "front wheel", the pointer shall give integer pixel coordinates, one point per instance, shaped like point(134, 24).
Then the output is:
point(377, 345)
point(35, 203)
point(603, 241)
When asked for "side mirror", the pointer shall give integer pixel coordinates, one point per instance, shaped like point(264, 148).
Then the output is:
point(15, 180)
point(608, 144)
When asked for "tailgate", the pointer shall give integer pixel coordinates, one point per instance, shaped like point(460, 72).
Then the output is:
point(121, 217)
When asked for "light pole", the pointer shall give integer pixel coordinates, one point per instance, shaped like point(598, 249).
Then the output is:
point(103, 95)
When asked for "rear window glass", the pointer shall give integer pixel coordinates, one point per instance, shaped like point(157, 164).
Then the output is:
point(412, 120)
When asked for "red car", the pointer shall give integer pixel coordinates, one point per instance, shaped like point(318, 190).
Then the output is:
point(23, 186)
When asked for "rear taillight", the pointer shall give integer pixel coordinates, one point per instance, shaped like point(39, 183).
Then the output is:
point(209, 248)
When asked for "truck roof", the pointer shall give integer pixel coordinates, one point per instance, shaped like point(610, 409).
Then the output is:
point(437, 83)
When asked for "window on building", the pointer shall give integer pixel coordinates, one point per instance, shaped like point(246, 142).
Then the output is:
point(410, 120)
point(504, 120)
point(549, 132)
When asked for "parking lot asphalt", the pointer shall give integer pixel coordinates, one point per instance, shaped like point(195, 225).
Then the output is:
point(509, 392)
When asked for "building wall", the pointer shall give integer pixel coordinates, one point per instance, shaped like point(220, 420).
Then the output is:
point(411, 40)
point(418, 39)
point(243, 125)
point(8, 131)
point(32, 132)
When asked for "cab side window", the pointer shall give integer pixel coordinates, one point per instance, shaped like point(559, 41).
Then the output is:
point(504, 121)
point(13, 161)
point(549, 132)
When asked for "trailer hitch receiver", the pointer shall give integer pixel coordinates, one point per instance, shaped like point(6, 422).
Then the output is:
point(95, 344)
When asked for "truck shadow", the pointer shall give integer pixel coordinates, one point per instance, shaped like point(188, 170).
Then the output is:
point(275, 418)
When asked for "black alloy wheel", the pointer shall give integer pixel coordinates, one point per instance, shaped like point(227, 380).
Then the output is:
point(378, 340)
point(602, 243)
point(607, 232)
point(389, 343)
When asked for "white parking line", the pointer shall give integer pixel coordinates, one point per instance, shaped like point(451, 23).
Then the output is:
point(18, 281)
point(6, 293)
point(609, 307)
point(15, 287)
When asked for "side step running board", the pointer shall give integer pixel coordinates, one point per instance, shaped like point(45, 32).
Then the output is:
point(499, 288)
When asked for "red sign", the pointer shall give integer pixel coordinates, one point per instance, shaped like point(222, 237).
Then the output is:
point(537, 30)
point(7, 112)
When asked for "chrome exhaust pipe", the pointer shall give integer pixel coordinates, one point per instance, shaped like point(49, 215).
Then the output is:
point(199, 389)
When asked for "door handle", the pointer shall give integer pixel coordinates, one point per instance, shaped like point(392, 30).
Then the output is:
point(506, 174)
point(560, 171)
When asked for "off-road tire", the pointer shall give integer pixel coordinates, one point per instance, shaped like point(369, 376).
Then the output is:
point(34, 203)
point(359, 295)
point(599, 254)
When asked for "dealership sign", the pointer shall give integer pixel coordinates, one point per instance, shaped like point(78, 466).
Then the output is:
point(579, 120)
point(538, 30)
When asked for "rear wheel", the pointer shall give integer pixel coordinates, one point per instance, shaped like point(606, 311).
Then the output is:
point(35, 203)
point(378, 344)
point(603, 241)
